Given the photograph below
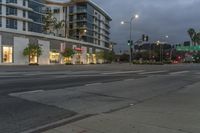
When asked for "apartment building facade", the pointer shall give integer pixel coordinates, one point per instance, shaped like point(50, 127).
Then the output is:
point(22, 22)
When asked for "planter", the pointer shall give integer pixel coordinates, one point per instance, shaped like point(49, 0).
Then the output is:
point(68, 64)
point(33, 64)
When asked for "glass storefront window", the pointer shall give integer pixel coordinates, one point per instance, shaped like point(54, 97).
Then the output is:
point(54, 57)
point(7, 54)
point(94, 58)
point(91, 58)
point(33, 60)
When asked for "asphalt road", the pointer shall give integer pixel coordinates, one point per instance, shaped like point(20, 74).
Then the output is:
point(34, 96)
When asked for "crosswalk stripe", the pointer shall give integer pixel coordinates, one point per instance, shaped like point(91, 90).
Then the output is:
point(152, 72)
point(179, 72)
point(122, 72)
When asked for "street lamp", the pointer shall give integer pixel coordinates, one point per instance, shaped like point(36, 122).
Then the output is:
point(130, 24)
point(158, 43)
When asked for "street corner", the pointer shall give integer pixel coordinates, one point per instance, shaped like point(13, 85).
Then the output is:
point(70, 129)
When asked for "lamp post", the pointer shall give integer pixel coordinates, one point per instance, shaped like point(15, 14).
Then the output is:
point(159, 44)
point(166, 37)
point(130, 37)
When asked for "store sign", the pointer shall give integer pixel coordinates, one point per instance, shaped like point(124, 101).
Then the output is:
point(78, 49)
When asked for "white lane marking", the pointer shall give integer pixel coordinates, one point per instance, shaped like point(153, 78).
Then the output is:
point(26, 92)
point(122, 72)
point(152, 72)
point(129, 79)
point(7, 76)
point(179, 72)
point(92, 84)
point(70, 76)
point(32, 74)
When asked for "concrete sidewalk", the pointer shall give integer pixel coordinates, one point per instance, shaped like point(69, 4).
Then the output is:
point(164, 114)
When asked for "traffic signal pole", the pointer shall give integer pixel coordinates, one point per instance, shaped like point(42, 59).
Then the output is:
point(130, 46)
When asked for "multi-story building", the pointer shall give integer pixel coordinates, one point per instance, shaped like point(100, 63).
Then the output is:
point(21, 23)
point(86, 15)
point(22, 15)
point(84, 20)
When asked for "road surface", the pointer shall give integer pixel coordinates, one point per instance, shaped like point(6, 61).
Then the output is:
point(33, 96)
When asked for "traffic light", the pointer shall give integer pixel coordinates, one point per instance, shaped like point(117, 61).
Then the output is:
point(145, 38)
point(130, 42)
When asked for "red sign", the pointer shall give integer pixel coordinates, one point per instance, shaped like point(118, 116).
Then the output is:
point(78, 49)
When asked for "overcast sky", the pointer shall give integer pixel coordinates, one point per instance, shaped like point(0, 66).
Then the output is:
point(158, 18)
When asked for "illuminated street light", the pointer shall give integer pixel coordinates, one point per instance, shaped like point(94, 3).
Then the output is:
point(122, 22)
point(136, 16)
point(158, 42)
point(130, 23)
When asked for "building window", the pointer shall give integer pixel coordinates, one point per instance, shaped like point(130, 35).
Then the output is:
point(11, 23)
point(24, 26)
point(0, 9)
point(54, 57)
point(11, 1)
point(56, 11)
point(7, 54)
point(0, 21)
point(24, 13)
point(24, 2)
point(33, 59)
point(71, 9)
point(11, 11)
point(33, 27)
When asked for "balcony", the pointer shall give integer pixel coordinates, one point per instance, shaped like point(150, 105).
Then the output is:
point(19, 6)
point(81, 10)
point(19, 18)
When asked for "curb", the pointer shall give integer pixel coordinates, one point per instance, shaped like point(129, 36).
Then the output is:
point(57, 123)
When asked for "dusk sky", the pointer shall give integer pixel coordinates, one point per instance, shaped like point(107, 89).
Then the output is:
point(158, 18)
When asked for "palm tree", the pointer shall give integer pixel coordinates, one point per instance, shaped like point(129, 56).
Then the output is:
point(49, 21)
point(33, 51)
point(192, 33)
point(58, 25)
point(198, 38)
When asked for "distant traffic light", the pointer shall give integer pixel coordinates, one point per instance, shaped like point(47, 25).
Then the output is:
point(130, 42)
point(145, 38)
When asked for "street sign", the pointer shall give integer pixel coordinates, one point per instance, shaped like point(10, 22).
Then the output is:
point(188, 48)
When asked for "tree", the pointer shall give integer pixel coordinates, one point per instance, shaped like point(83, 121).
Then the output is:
point(109, 56)
point(193, 36)
point(100, 55)
point(198, 38)
point(68, 53)
point(58, 25)
point(32, 51)
point(49, 22)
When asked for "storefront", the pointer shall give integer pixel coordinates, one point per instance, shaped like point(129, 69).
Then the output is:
point(7, 52)
point(54, 57)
